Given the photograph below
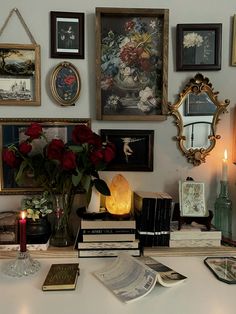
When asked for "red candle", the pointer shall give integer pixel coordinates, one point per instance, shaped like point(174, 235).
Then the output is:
point(23, 232)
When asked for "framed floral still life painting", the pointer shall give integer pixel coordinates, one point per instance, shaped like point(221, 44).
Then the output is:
point(20, 75)
point(67, 35)
point(198, 47)
point(134, 149)
point(131, 63)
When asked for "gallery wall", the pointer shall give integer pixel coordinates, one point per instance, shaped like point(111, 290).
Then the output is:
point(169, 164)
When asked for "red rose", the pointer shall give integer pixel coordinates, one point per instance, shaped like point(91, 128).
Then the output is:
point(55, 149)
point(69, 161)
point(96, 156)
point(82, 134)
point(109, 152)
point(25, 148)
point(34, 130)
point(9, 157)
point(69, 79)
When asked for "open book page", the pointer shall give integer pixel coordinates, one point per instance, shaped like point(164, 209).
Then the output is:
point(128, 278)
point(166, 276)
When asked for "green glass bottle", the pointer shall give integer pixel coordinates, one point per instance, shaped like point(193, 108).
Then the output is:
point(223, 211)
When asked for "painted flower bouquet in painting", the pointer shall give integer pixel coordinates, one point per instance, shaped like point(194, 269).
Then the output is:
point(131, 66)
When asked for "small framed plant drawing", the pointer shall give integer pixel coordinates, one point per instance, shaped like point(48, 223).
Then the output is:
point(198, 47)
point(131, 63)
point(67, 35)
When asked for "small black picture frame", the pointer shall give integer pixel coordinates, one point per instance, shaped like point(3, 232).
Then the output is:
point(134, 149)
point(67, 35)
point(198, 47)
point(224, 268)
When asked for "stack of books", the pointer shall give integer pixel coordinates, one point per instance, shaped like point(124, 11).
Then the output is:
point(153, 214)
point(107, 237)
point(194, 235)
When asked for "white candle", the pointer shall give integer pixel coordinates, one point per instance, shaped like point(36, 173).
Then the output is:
point(225, 167)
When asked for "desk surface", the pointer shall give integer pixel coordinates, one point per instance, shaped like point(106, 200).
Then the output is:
point(201, 293)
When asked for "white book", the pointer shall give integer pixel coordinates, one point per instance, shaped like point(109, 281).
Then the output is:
point(108, 237)
point(131, 278)
point(194, 231)
point(109, 245)
point(195, 243)
point(107, 224)
point(107, 253)
point(30, 247)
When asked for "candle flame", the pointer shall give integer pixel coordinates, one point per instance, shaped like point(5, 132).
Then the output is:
point(225, 154)
point(23, 214)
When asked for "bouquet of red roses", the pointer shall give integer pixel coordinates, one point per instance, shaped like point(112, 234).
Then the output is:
point(61, 167)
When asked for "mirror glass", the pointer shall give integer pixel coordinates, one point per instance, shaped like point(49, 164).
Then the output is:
point(196, 111)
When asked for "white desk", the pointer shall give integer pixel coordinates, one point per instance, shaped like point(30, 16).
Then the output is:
point(201, 293)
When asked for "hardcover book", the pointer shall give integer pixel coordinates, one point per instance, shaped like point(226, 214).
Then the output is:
point(108, 253)
point(106, 237)
point(107, 224)
point(109, 245)
point(61, 277)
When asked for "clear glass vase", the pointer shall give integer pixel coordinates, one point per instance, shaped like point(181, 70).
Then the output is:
point(223, 211)
point(61, 234)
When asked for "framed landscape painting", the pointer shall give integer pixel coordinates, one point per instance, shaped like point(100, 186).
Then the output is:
point(131, 63)
point(198, 47)
point(20, 75)
point(134, 149)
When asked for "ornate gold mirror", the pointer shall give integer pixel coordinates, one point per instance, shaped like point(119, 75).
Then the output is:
point(196, 115)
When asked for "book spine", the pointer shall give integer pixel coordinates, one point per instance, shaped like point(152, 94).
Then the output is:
point(107, 224)
point(107, 231)
point(107, 253)
point(200, 235)
point(109, 245)
point(195, 243)
point(106, 237)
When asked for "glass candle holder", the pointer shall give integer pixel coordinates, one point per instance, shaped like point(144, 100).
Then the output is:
point(23, 265)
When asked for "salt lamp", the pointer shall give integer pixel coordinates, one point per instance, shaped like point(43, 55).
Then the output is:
point(119, 202)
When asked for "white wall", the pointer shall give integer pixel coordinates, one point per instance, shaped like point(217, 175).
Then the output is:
point(169, 164)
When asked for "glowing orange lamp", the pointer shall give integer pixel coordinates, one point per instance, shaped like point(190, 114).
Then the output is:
point(119, 202)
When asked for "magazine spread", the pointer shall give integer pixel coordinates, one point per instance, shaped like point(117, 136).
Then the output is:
point(131, 278)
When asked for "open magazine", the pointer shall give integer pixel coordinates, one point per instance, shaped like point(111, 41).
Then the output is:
point(131, 278)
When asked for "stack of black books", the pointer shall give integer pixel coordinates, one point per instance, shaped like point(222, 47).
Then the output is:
point(153, 214)
point(107, 237)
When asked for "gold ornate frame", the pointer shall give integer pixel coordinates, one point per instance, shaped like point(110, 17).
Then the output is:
point(197, 85)
point(65, 84)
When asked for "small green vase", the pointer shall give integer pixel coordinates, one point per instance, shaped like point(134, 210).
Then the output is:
point(223, 211)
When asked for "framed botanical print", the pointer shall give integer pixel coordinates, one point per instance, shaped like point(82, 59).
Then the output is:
point(67, 35)
point(131, 63)
point(198, 47)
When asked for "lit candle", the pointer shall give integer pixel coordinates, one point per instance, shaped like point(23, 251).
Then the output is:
point(225, 167)
point(23, 232)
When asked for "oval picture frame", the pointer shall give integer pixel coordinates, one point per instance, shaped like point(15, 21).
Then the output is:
point(65, 84)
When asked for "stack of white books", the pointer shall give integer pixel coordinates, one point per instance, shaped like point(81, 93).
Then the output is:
point(194, 235)
point(107, 237)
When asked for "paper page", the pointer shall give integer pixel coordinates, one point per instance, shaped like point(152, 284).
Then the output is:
point(127, 278)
